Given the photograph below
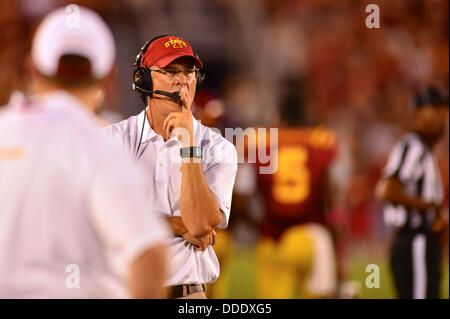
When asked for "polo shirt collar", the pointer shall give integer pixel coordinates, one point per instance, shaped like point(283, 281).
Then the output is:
point(148, 133)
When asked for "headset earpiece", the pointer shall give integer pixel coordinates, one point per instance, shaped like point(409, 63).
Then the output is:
point(200, 77)
point(142, 80)
point(142, 76)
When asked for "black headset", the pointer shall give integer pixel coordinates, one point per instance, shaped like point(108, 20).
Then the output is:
point(142, 76)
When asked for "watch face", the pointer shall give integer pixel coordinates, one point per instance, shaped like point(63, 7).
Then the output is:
point(197, 152)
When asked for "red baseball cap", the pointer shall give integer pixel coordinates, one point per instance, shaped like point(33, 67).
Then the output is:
point(165, 50)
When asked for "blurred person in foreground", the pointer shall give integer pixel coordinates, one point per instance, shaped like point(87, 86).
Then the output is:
point(189, 168)
point(413, 194)
point(295, 254)
point(69, 197)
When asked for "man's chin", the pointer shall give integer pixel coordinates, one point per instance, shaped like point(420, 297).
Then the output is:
point(175, 105)
point(172, 107)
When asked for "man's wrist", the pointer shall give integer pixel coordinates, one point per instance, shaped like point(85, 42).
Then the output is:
point(188, 144)
point(191, 160)
point(191, 152)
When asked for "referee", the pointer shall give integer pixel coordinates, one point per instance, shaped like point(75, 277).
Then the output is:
point(411, 188)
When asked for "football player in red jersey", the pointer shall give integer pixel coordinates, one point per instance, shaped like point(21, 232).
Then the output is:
point(295, 255)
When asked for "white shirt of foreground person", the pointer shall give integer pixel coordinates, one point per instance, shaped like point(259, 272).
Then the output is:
point(68, 197)
point(162, 164)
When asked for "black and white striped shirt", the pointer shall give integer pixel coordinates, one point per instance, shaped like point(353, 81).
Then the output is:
point(413, 163)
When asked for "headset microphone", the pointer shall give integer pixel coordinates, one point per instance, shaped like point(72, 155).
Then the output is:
point(174, 95)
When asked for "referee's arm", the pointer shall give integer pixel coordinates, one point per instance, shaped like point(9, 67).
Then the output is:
point(390, 189)
point(404, 159)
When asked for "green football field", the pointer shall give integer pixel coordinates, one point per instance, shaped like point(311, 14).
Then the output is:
point(241, 275)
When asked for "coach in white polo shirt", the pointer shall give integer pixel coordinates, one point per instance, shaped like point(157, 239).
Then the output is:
point(74, 218)
point(189, 168)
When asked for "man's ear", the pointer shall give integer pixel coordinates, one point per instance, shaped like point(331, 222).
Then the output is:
point(107, 87)
point(29, 67)
point(109, 84)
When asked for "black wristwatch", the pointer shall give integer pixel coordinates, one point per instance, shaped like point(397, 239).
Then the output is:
point(191, 152)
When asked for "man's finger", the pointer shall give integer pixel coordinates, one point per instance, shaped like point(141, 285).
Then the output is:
point(184, 96)
point(211, 239)
point(206, 241)
point(171, 117)
point(214, 236)
point(201, 247)
point(184, 108)
point(169, 128)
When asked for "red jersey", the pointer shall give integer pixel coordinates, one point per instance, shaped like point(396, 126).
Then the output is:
point(295, 193)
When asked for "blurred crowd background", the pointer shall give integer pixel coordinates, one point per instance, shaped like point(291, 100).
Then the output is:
point(354, 80)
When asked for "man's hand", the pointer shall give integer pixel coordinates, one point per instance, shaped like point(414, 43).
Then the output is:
point(178, 229)
point(183, 121)
point(391, 190)
point(203, 242)
point(440, 227)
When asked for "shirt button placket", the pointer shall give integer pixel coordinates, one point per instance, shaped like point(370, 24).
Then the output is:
point(159, 176)
point(161, 165)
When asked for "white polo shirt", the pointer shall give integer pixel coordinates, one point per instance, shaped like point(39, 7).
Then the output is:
point(70, 201)
point(162, 164)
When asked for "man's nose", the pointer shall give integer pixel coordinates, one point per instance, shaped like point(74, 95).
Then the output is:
point(180, 77)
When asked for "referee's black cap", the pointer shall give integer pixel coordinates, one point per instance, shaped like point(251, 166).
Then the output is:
point(433, 95)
